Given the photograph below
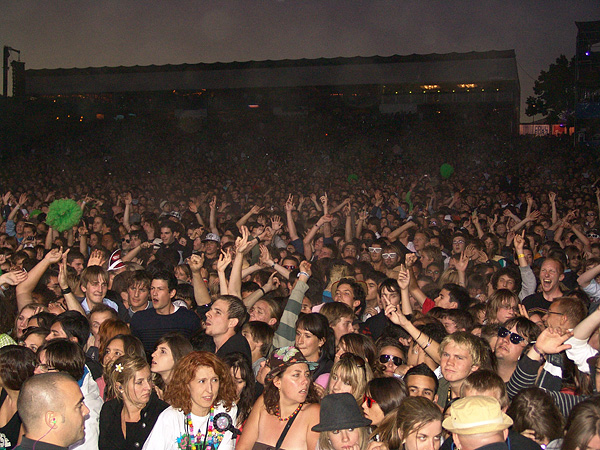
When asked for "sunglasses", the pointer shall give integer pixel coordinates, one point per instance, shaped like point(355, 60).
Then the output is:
point(126, 240)
point(290, 267)
point(384, 359)
point(389, 255)
point(375, 249)
point(514, 337)
point(369, 401)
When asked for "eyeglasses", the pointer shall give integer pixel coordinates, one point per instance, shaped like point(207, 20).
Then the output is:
point(384, 359)
point(458, 241)
point(126, 240)
point(389, 255)
point(364, 249)
point(290, 267)
point(369, 401)
point(514, 337)
point(45, 368)
point(375, 249)
point(554, 312)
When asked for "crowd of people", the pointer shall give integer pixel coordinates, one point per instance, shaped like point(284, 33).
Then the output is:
point(341, 282)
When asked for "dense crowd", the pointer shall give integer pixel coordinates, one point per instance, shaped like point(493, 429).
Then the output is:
point(334, 281)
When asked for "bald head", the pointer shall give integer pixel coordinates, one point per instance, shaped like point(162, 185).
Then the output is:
point(52, 409)
point(40, 394)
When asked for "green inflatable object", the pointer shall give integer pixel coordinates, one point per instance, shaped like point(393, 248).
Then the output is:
point(63, 214)
point(446, 170)
point(352, 177)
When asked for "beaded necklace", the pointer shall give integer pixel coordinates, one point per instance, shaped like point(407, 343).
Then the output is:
point(210, 440)
point(285, 419)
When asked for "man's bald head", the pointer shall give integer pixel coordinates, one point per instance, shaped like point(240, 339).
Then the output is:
point(40, 394)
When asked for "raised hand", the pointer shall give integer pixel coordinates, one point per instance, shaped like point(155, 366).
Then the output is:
point(196, 262)
point(96, 258)
point(411, 259)
point(289, 204)
point(224, 261)
point(256, 209)
point(13, 278)
point(276, 223)
point(403, 277)
point(393, 313)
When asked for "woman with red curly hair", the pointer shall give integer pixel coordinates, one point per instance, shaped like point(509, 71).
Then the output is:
point(288, 409)
point(201, 389)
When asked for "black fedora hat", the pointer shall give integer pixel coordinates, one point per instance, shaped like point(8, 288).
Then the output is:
point(340, 412)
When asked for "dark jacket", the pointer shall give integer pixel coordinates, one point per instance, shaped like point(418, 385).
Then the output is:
point(111, 434)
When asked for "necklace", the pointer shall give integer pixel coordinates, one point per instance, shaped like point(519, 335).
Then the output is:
point(210, 440)
point(285, 419)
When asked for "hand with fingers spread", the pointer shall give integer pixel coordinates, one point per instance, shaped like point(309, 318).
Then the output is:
point(276, 223)
point(552, 341)
point(242, 244)
point(96, 258)
point(13, 278)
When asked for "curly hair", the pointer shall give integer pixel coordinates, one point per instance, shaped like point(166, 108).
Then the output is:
point(178, 391)
point(271, 394)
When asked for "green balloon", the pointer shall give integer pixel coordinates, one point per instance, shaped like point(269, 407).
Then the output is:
point(446, 170)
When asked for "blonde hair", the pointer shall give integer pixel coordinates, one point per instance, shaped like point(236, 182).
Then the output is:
point(353, 370)
point(119, 372)
point(325, 443)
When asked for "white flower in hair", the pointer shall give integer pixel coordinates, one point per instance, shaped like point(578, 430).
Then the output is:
point(119, 367)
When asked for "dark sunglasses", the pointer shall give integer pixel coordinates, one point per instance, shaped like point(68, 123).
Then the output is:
point(369, 401)
point(514, 337)
point(126, 240)
point(384, 359)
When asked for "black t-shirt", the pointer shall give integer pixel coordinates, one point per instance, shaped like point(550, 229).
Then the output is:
point(536, 304)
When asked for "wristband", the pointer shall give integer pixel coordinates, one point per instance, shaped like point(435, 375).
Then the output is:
point(258, 239)
point(303, 273)
point(537, 350)
point(263, 291)
point(428, 344)
point(521, 255)
point(65, 291)
point(417, 339)
point(273, 266)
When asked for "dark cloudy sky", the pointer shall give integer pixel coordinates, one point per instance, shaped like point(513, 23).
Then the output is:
point(83, 33)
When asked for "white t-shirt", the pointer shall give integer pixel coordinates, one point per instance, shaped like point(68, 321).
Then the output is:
point(171, 425)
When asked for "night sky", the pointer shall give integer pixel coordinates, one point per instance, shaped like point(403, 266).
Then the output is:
point(81, 33)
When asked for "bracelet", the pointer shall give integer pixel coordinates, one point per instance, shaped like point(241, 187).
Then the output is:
point(521, 255)
point(273, 266)
point(263, 291)
point(66, 291)
point(303, 273)
point(428, 344)
point(417, 339)
point(258, 239)
point(537, 350)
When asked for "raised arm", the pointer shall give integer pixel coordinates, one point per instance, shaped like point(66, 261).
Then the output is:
point(222, 263)
point(193, 207)
point(404, 283)
point(431, 347)
point(128, 199)
point(83, 233)
point(213, 216)
point(414, 288)
point(552, 198)
point(398, 231)
point(266, 260)
point(246, 217)
point(242, 246)
point(72, 303)
point(289, 208)
point(25, 288)
point(201, 294)
point(308, 239)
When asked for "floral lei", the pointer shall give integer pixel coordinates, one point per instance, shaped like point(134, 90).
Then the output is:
point(209, 441)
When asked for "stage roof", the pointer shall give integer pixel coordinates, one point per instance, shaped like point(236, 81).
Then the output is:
point(473, 67)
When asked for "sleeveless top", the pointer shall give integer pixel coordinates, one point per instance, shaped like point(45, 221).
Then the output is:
point(9, 433)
